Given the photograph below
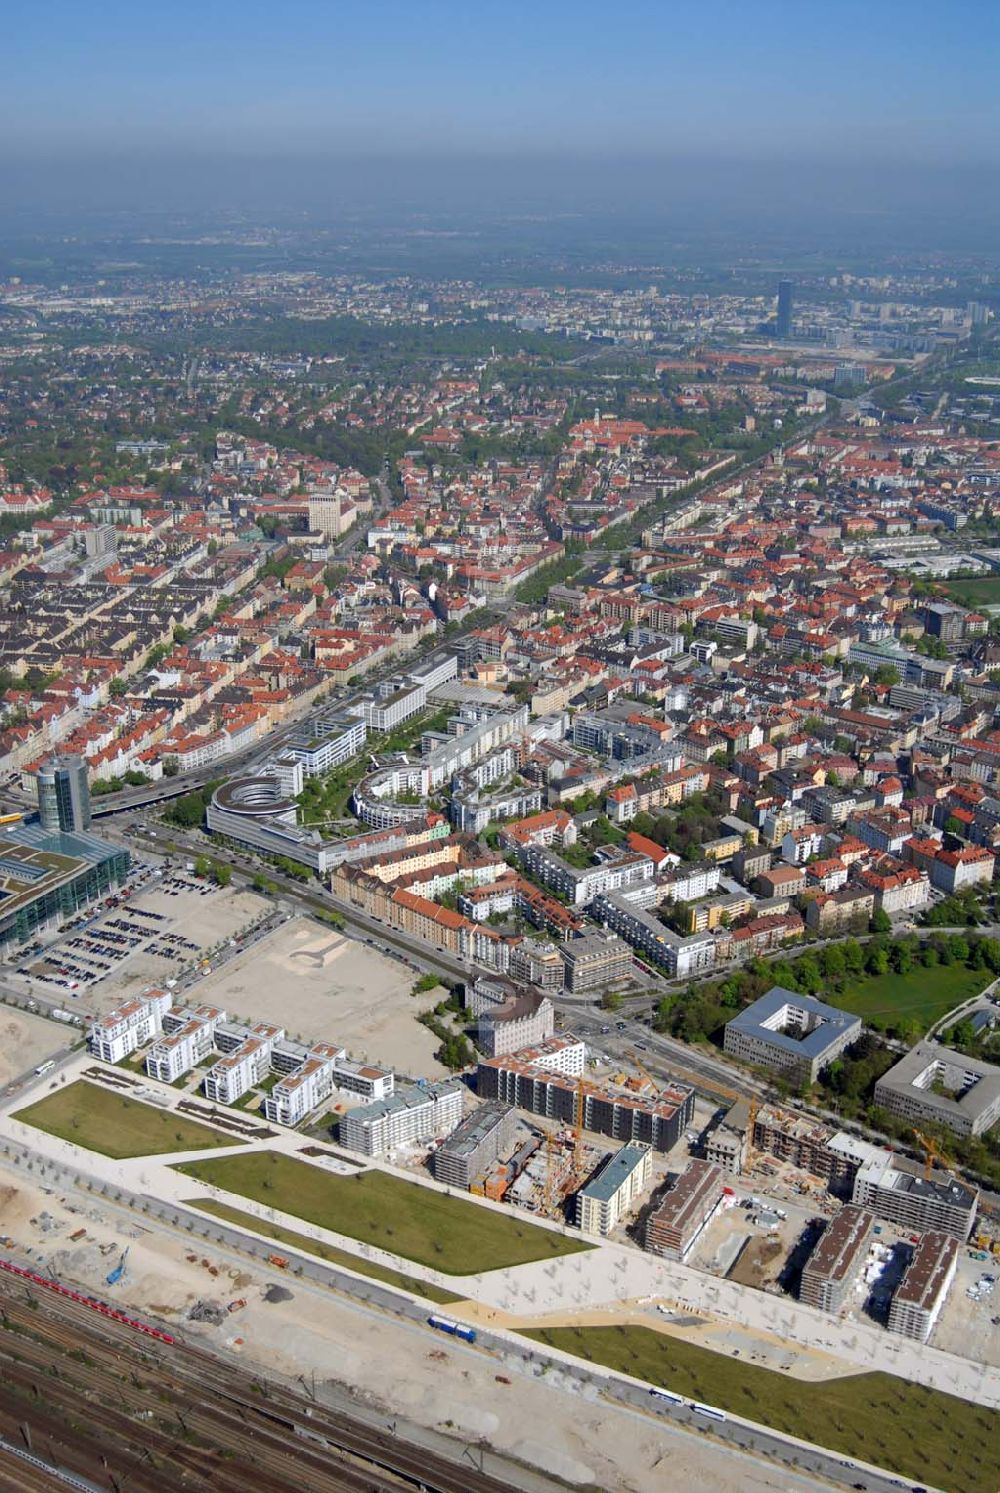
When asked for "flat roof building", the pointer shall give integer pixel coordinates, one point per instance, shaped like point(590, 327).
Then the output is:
point(526, 1079)
point(791, 1033)
point(936, 1085)
point(410, 1114)
point(726, 1145)
point(684, 1210)
point(473, 1146)
point(613, 1189)
point(830, 1270)
point(914, 1202)
point(918, 1301)
point(595, 962)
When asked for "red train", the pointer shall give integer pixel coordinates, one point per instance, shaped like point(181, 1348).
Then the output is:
point(96, 1306)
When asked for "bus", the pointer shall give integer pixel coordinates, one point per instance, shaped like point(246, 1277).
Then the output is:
point(666, 1394)
point(708, 1410)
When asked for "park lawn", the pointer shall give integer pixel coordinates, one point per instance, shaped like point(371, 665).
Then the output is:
point(923, 994)
point(982, 590)
point(919, 1433)
point(87, 1115)
point(418, 1223)
point(321, 1251)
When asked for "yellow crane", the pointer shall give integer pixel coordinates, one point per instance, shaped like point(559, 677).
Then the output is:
point(932, 1153)
point(11, 818)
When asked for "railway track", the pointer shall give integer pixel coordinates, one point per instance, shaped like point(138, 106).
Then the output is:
point(167, 1415)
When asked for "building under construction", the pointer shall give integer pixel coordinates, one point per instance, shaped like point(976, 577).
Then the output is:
point(832, 1267)
point(805, 1143)
point(659, 1120)
point(684, 1210)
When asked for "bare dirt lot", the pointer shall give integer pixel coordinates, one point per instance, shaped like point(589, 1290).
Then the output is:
point(320, 984)
point(26, 1040)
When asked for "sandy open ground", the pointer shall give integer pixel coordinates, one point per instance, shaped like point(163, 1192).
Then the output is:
point(26, 1040)
point(320, 984)
point(545, 1423)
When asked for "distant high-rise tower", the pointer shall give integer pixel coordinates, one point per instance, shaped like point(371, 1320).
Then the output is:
point(63, 794)
point(783, 323)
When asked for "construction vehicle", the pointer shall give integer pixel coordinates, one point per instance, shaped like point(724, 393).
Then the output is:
point(11, 818)
point(238, 1305)
point(278, 1261)
point(116, 1274)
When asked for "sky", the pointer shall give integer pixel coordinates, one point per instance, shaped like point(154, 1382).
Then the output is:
point(913, 84)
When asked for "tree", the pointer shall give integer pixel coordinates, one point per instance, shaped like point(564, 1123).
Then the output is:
point(222, 874)
point(202, 866)
point(118, 687)
point(611, 1000)
point(171, 767)
point(881, 921)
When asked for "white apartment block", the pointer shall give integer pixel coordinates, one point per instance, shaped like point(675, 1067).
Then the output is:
point(235, 1074)
point(123, 1031)
point(294, 1097)
point(190, 1037)
point(558, 1054)
point(410, 1115)
point(622, 1178)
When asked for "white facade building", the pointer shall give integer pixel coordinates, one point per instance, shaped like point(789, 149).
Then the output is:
point(123, 1031)
point(409, 1115)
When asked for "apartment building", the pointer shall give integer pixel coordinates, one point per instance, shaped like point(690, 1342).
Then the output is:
point(326, 740)
point(897, 886)
point(618, 1183)
point(581, 885)
point(527, 1081)
point(684, 1210)
point(914, 1202)
point(679, 956)
point(832, 1268)
point(596, 961)
point(830, 913)
point(188, 1038)
point(408, 1116)
point(955, 870)
point(790, 1033)
point(231, 1077)
point(936, 1085)
point(476, 1142)
point(298, 1094)
point(921, 1293)
point(538, 962)
point(508, 1016)
point(132, 1025)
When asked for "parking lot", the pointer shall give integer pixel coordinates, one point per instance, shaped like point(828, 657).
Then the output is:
point(160, 928)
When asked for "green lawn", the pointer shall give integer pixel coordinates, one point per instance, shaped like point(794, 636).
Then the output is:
point(976, 591)
point(923, 994)
point(919, 1433)
point(109, 1122)
point(417, 1223)
point(322, 1251)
